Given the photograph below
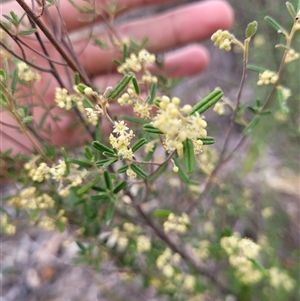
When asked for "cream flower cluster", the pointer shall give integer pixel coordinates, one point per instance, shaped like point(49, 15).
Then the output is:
point(166, 261)
point(222, 39)
point(41, 172)
point(49, 223)
point(28, 199)
point(63, 99)
point(177, 125)
point(176, 223)
point(279, 279)
point(120, 238)
point(137, 62)
point(267, 77)
point(239, 252)
point(286, 92)
point(291, 55)
point(5, 226)
point(25, 73)
point(120, 140)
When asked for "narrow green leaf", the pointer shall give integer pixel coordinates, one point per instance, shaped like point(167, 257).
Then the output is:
point(28, 119)
point(88, 154)
point(122, 169)
point(81, 245)
point(207, 102)
point(60, 226)
point(139, 144)
point(14, 16)
point(118, 63)
point(159, 172)
point(81, 87)
point(207, 140)
point(119, 187)
point(103, 197)
point(2, 73)
point(76, 78)
point(189, 156)
point(255, 68)
point(149, 128)
point(291, 9)
point(102, 148)
point(251, 29)
point(139, 171)
point(107, 180)
point(162, 213)
point(110, 213)
point(88, 186)
point(120, 86)
point(252, 110)
point(152, 92)
point(87, 103)
point(66, 157)
point(99, 188)
point(27, 32)
point(100, 43)
point(136, 86)
point(183, 176)
point(109, 154)
point(273, 23)
point(80, 162)
point(134, 119)
point(248, 129)
point(14, 81)
point(125, 52)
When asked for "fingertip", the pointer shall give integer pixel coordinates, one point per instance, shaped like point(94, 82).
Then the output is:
point(187, 61)
point(223, 12)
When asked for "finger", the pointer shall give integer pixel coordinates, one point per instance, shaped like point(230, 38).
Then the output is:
point(74, 19)
point(181, 26)
point(186, 61)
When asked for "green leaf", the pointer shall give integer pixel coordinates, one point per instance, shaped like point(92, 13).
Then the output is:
point(27, 32)
point(149, 128)
point(125, 52)
point(76, 78)
point(28, 119)
point(102, 148)
point(122, 169)
point(103, 197)
point(34, 214)
point(252, 110)
point(14, 81)
point(207, 102)
point(291, 9)
point(98, 188)
point(88, 186)
point(81, 245)
point(162, 213)
point(273, 23)
point(60, 226)
point(251, 29)
point(139, 171)
point(207, 140)
point(100, 43)
point(120, 86)
point(152, 92)
point(87, 103)
point(255, 68)
point(66, 157)
point(134, 119)
point(183, 176)
point(2, 73)
point(80, 162)
point(160, 171)
point(110, 212)
point(189, 156)
point(118, 63)
point(248, 129)
point(107, 180)
point(119, 187)
point(139, 144)
point(136, 86)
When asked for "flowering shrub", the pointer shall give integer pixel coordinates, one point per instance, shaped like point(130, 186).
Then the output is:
point(115, 193)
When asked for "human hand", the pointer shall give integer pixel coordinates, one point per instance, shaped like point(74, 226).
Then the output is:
point(178, 27)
